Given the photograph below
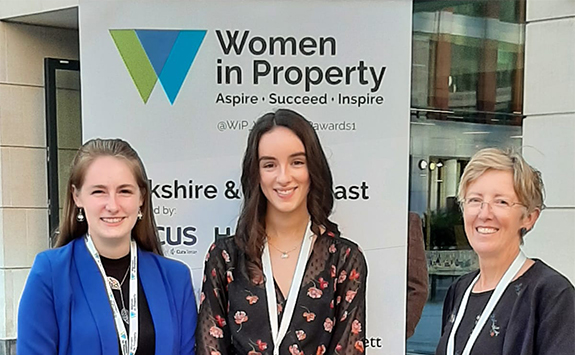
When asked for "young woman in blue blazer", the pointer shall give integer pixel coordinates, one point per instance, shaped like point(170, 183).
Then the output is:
point(107, 289)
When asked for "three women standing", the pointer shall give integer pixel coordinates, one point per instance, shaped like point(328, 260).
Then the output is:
point(287, 282)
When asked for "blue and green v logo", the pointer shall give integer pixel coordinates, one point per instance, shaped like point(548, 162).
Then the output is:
point(152, 55)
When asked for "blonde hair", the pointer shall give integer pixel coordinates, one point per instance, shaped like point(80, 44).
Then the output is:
point(527, 181)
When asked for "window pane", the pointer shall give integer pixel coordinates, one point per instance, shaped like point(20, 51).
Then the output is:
point(467, 90)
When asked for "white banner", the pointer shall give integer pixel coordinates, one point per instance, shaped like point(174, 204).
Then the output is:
point(184, 81)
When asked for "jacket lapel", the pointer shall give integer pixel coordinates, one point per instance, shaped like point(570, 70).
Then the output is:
point(154, 287)
point(96, 296)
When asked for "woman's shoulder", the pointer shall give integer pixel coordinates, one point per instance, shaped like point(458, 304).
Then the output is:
point(58, 255)
point(228, 243)
point(56, 261)
point(544, 277)
point(347, 250)
point(339, 240)
point(462, 282)
point(224, 247)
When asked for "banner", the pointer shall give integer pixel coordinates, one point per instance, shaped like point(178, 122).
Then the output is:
point(183, 82)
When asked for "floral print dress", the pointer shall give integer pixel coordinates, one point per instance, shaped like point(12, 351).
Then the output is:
point(329, 317)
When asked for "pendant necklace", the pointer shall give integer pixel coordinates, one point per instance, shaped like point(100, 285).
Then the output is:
point(127, 337)
point(285, 254)
point(115, 285)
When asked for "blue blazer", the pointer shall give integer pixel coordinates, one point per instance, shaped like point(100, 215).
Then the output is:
point(65, 310)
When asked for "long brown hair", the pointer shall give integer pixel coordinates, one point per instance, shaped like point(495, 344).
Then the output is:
point(250, 231)
point(144, 232)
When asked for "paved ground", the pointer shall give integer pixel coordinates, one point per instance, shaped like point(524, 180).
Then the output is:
point(427, 332)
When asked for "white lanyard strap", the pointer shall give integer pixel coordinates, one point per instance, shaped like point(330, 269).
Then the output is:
point(278, 335)
point(128, 346)
point(495, 297)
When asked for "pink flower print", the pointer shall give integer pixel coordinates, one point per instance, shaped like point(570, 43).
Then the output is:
point(338, 347)
point(347, 251)
point(220, 320)
point(214, 273)
point(333, 271)
point(207, 257)
point(331, 304)
point(322, 283)
point(252, 299)
point(359, 346)
point(240, 317)
point(309, 316)
point(332, 248)
point(320, 350)
point(356, 327)
point(202, 298)
point(213, 246)
point(294, 350)
point(354, 275)
point(328, 325)
point(215, 352)
point(253, 352)
point(226, 256)
point(230, 276)
point(330, 233)
point(342, 276)
point(204, 279)
point(350, 295)
point(261, 345)
point(300, 334)
point(343, 316)
point(314, 292)
point(216, 332)
point(280, 308)
point(338, 300)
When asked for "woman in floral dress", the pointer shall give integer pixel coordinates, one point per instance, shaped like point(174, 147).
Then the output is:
point(287, 282)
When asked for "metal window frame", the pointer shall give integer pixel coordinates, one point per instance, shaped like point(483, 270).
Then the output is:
point(51, 65)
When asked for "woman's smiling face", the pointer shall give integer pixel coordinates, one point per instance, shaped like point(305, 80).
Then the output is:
point(493, 225)
point(110, 197)
point(284, 176)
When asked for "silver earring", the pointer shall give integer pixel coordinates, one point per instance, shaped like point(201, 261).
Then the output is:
point(140, 215)
point(80, 217)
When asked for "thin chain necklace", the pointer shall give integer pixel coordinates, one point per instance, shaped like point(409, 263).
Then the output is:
point(115, 285)
point(285, 254)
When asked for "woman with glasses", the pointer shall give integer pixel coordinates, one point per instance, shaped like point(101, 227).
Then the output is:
point(107, 289)
point(512, 305)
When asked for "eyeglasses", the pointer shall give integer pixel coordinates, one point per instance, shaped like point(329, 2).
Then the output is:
point(499, 205)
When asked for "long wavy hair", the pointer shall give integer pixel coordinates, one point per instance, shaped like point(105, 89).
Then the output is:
point(250, 231)
point(144, 232)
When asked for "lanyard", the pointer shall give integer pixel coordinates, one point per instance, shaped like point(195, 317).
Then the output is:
point(495, 297)
point(279, 334)
point(128, 346)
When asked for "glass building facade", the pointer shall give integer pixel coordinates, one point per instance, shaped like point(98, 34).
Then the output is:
point(466, 94)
